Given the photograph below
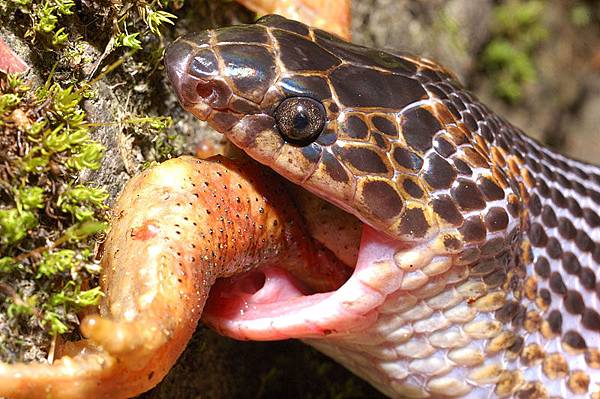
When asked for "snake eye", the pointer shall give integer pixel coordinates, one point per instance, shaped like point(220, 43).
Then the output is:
point(300, 119)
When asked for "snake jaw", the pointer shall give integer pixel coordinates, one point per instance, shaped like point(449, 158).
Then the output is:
point(269, 303)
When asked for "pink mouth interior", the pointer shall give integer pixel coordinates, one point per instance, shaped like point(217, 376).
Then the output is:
point(269, 303)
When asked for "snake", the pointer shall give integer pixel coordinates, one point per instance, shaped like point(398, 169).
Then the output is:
point(476, 275)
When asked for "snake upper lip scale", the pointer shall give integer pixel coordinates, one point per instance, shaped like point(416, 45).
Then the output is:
point(477, 270)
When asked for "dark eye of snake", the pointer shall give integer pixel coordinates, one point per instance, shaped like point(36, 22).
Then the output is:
point(300, 120)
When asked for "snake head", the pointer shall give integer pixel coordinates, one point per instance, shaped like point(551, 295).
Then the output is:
point(374, 133)
point(255, 84)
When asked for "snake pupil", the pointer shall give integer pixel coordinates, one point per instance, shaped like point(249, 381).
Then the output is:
point(300, 120)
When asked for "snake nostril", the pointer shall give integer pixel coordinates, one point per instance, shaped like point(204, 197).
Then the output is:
point(206, 90)
point(213, 92)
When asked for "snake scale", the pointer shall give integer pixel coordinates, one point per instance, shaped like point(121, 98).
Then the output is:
point(477, 272)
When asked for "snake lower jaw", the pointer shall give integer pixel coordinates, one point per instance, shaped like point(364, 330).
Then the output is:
point(270, 304)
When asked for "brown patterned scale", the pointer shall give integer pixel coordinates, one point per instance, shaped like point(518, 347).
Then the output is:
point(498, 238)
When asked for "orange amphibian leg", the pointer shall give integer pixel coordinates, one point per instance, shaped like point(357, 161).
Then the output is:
point(175, 229)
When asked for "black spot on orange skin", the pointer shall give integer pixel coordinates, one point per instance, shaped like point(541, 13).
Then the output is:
point(334, 168)
point(418, 128)
point(355, 127)
point(381, 199)
point(413, 223)
point(407, 159)
point(467, 195)
point(439, 173)
point(444, 206)
point(363, 159)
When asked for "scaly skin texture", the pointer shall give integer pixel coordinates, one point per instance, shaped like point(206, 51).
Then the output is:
point(175, 229)
point(479, 245)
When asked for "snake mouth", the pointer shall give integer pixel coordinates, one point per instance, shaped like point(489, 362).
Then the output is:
point(270, 304)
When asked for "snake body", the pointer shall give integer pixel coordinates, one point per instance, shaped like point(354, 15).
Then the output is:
point(477, 271)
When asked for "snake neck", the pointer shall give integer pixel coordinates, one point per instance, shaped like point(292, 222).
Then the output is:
point(556, 200)
point(561, 245)
point(551, 283)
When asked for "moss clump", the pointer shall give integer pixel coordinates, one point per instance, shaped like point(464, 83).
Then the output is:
point(45, 16)
point(50, 18)
point(47, 217)
point(518, 29)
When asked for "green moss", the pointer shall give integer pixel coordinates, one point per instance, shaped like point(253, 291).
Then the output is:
point(47, 218)
point(580, 14)
point(44, 16)
point(518, 29)
point(49, 19)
